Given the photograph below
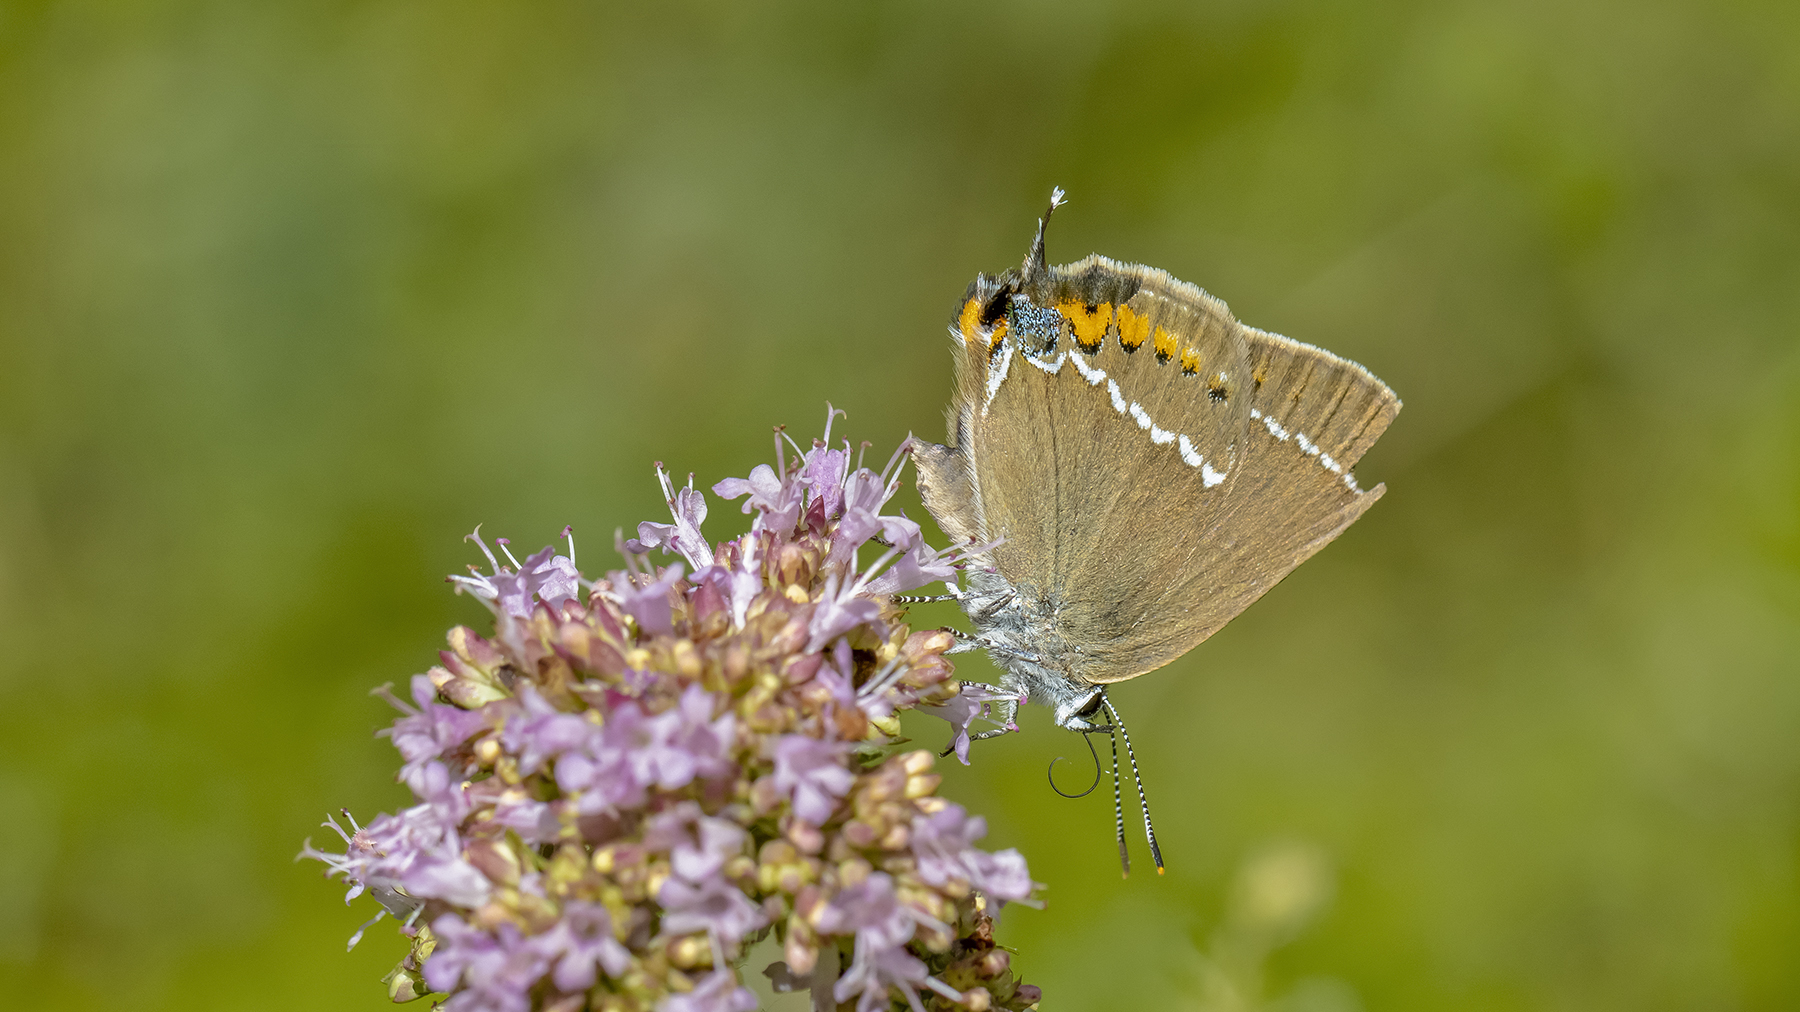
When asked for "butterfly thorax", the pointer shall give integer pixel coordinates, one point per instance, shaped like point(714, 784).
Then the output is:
point(1023, 626)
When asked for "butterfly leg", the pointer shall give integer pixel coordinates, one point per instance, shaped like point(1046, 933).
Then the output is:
point(996, 705)
point(992, 732)
point(987, 611)
point(1004, 711)
point(966, 642)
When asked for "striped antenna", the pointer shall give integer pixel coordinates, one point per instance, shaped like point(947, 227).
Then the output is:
point(1143, 801)
point(1119, 810)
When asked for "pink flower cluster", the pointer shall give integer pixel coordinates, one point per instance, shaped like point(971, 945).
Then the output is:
point(635, 778)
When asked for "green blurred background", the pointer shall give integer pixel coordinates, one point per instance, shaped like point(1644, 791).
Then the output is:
point(293, 295)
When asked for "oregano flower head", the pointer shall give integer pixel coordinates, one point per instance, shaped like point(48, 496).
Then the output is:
point(634, 777)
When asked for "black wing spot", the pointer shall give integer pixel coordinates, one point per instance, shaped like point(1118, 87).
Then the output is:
point(1218, 392)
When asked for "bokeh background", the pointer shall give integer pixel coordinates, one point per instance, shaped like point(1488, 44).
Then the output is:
point(294, 294)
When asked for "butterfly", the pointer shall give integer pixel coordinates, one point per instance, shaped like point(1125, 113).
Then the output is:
point(1141, 466)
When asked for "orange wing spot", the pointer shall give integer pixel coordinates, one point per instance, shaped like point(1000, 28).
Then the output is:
point(970, 320)
point(1164, 343)
point(1134, 328)
point(1088, 321)
point(1190, 361)
point(996, 337)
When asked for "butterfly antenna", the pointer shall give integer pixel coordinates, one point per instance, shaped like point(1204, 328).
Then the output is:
point(1035, 265)
point(1143, 801)
point(1119, 807)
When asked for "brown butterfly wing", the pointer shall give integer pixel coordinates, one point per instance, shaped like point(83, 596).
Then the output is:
point(1132, 471)
point(1313, 415)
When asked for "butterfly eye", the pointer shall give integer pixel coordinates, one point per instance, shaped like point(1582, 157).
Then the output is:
point(994, 308)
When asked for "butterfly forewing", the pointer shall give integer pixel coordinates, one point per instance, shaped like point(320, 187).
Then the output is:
point(1152, 465)
point(1156, 443)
